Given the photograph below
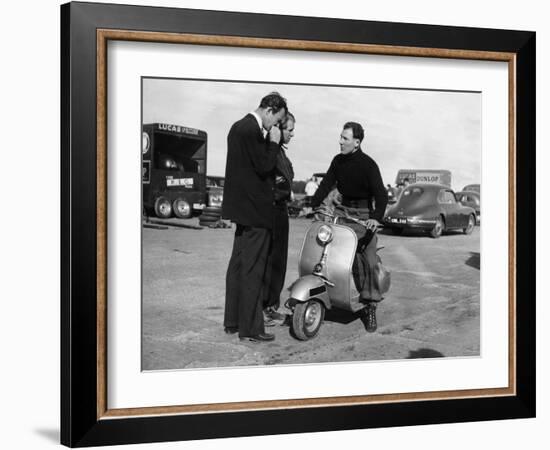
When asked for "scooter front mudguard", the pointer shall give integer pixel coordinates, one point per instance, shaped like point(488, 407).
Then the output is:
point(306, 288)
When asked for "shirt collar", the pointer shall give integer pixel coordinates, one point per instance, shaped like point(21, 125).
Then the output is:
point(259, 120)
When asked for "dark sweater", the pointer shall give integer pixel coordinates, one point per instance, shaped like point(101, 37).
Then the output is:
point(357, 177)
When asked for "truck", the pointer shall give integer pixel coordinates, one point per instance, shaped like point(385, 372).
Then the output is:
point(173, 170)
point(424, 176)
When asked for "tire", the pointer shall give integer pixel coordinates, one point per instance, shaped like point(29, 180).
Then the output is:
point(397, 231)
point(163, 208)
point(209, 214)
point(307, 319)
point(203, 218)
point(438, 228)
point(471, 225)
point(182, 208)
point(212, 210)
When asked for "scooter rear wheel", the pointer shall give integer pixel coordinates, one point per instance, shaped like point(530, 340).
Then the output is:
point(307, 319)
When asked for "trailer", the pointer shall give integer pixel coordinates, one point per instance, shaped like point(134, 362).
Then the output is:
point(173, 170)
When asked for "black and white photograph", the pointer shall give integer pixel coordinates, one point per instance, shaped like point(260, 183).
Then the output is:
point(290, 224)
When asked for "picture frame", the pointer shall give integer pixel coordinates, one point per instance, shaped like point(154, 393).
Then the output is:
point(86, 28)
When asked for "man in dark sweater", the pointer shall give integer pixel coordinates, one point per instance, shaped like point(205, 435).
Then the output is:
point(358, 180)
point(252, 151)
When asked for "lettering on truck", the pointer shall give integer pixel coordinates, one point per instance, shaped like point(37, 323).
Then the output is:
point(177, 129)
point(427, 178)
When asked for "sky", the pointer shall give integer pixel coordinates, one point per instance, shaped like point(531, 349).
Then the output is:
point(404, 129)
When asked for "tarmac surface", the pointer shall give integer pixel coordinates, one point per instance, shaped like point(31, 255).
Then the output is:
point(431, 310)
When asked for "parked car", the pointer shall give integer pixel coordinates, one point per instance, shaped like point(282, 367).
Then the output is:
point(429, 207)
point(472, 187)
point(212, 214)
point(214, 191)
point(471, 199)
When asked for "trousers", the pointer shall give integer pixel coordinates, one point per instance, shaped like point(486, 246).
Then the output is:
point(365, 264)
point(278, 255)
point(245, 282)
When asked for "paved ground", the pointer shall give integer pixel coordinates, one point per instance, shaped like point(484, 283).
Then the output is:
point(431, 310)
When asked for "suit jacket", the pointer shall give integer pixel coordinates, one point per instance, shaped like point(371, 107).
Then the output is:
point(249, 175)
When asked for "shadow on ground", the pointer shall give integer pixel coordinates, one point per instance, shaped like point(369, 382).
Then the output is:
point(424, 353)
point(473, 260)
point(341, 316)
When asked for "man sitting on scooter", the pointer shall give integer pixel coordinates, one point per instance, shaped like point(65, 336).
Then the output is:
point(357, 178)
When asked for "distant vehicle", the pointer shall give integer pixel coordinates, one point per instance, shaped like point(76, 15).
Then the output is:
point(173, 170)
point(472, 187)
point(393, 193)
point(319, 176)
point(471, 199)
point(429, 207)
point(214, 191)
point(424, 176)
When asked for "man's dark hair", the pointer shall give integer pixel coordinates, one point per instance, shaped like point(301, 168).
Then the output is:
point(275, 101)
point(407, 180)
point(357, 129)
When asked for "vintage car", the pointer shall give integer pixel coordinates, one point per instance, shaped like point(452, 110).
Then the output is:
point(429, 207)
point(472, 187)
point(471, 199)
point(214, 191)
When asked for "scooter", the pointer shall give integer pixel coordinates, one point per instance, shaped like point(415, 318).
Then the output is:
point(325, 273)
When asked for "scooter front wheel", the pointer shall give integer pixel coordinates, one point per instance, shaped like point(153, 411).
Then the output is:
point(307, 319)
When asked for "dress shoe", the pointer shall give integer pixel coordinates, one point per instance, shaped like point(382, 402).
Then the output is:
point(230, 330)
point(262, 337)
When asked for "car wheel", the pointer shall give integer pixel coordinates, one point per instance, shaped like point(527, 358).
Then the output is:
point(438, 228)
point(471, 224)
point(182, 208)
point(397, 231)
point(163, 208)
point(307, 319)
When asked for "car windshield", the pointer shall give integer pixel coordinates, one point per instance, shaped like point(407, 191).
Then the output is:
point(411, 195)
point(412, 191)
point(215, 182)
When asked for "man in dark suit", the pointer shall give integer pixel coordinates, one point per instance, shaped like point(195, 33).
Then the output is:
point(252, 151)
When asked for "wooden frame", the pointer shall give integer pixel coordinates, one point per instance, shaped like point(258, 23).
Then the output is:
point(86, 418)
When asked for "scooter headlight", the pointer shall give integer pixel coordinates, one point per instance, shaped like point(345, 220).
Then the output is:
point(324, 234)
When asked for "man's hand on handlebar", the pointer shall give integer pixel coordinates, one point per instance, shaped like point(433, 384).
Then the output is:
point(372, 224)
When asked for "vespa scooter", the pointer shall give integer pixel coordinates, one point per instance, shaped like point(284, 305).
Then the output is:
point(325, 270)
